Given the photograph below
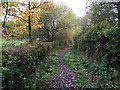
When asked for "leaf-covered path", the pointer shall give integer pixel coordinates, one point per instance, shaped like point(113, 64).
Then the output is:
point(65, 77)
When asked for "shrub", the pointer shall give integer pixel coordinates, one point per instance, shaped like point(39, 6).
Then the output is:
point(20, 65)
point(105, 45)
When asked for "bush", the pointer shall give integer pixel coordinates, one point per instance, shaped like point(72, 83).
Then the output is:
point(105, 45)
point(21, 65)
point(11, 43)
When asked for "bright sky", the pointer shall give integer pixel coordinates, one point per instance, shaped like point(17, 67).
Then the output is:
point(78, 6)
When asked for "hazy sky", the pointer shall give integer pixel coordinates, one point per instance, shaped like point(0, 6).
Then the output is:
point(78, 6)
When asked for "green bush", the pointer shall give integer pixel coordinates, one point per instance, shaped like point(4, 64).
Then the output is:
point(11, 43)
point(22, 64)
point(106, 42)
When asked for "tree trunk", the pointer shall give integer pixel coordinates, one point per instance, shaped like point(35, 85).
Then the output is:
point(118, 7)
point(5, 15)
point(48, 35)
point(29, 25)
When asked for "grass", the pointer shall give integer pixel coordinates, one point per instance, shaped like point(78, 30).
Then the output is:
point(75, 63)
point(82, 67)
point(52, 58)
point(11, 43)
point(106, 74)
point(49, 69)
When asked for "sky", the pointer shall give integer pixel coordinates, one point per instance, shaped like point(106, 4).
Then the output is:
point(78, 6)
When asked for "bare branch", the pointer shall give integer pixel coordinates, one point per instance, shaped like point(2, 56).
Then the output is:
point(39, 6)
point(115, 3)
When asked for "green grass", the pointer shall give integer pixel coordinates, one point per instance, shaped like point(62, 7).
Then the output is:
point(75, 63)
point(105, 73)
point(52, 66)
point(81, 65)
point(49, 69)
point(11, 43)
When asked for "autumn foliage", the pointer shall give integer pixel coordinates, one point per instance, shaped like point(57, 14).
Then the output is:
point(19, 14)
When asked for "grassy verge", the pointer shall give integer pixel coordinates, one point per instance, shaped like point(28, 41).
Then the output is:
point(107, 75)
point(75, 63)
point(51, 65)
point(48, 71)
point(99, 74)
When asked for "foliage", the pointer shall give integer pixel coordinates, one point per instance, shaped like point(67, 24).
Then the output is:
point(105, 12)
point(57, 24)
point(99, 42)
point(106, 35)
point(105, 74)
point(76, 63)
point(23, 17)
point(11, 43)
point(26, 66)
point(82, 66)
point(103, 33)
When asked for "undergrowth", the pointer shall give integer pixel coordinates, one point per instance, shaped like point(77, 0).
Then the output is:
point(104, 76)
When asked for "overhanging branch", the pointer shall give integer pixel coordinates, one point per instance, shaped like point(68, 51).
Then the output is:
point(39, 6)
point(18, 17)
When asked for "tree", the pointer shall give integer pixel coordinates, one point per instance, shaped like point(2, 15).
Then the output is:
point(57, 22)
point(3, 25)
point(23, 14)
point(111, 9)
point(103, 31)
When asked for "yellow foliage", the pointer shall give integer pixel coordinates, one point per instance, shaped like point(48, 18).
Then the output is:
point(13, 3)
point(20, 26)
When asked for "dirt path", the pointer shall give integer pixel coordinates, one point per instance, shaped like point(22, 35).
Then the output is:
point(65, 77)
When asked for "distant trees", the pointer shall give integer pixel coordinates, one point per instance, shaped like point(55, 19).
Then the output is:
point(57, 22)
